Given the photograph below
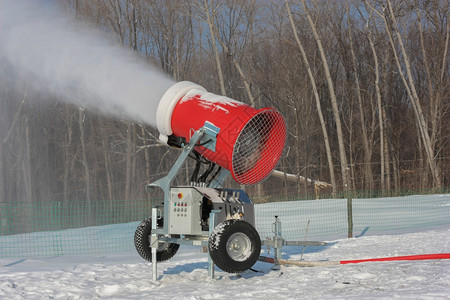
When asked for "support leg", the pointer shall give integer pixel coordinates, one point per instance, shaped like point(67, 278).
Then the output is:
point(212, 224)
point(154, 244)
point(278, 241)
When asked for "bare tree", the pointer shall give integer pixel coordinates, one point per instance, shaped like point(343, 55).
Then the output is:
point(167, 35)
point(85, 162)
point(334, 105)
point(68, 157)
point(209, 10)
point(107, 161)
point(4, 142)
point(316, 97)
point(366, 146)
point(333, 98)
point(232, 54)
point(128, 160)
point(390, 21)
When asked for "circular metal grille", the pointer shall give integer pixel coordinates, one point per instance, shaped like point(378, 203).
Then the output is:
point(259, 147)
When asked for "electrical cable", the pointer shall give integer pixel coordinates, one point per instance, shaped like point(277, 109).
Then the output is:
point(205, 175)
point(204, 143)
point(214, 176)
point(197, 166)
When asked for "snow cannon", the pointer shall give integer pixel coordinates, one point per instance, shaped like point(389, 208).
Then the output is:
point(249, 141)
point(228, 137)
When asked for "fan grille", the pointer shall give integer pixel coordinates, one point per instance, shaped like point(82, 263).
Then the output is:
point(259, 147)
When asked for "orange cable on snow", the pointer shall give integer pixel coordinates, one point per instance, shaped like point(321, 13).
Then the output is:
point(343, 262)
point(394, 258)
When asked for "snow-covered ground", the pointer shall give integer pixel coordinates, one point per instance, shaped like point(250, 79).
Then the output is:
point(127, 276)
point(384, 227)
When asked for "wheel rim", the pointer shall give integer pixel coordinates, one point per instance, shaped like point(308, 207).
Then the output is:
point(239, 247)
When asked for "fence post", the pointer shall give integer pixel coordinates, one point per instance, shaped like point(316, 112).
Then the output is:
point(350, 215)
point(348, 192)
point(55, 227)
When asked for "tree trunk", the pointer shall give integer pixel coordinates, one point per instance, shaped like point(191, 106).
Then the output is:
point(26, 164)
point(108, 167)
point(133, 162)
point(116, 20)
point(334, 104)
point(410, 89)
point(367, 152)
point(85, 162)
point(239, 69)
point(128, 162)
point(335, 107)
point(379, 108)
point(210, 20)
point(428, 144)
point(317, 98)
point(396, 171)
point(132, 22)
point(147, 159)
point(387, 160)
point(3, 143)
point(297, 149)
point(67, 156)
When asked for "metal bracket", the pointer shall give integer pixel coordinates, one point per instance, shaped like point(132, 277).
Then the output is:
point(277, 241)
point(209, 137)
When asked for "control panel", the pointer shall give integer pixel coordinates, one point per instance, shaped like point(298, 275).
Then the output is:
point(185, 211)
point(189, 208)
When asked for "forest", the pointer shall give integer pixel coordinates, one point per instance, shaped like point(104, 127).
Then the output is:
point(364, 87)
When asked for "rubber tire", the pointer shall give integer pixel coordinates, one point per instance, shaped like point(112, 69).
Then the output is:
point(218, 240)
point(142, 242)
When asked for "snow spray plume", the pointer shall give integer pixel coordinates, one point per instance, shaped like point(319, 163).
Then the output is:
point(55, 54)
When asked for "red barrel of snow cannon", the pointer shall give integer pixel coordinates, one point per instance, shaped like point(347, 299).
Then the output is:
point(249, 142)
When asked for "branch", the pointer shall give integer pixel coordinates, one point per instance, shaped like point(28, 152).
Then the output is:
point(294, 177)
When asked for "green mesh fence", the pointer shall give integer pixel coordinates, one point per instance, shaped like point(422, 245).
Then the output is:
point(55, 228)
point(327, 218)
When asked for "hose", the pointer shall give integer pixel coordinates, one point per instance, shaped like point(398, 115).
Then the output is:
point(343, 262)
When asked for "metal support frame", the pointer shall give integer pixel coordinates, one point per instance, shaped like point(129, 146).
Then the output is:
point(165, 182)
point(160, 234)
point(154, 244)
point(210, 132)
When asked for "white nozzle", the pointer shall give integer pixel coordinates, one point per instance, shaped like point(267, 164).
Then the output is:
point(167, 104)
